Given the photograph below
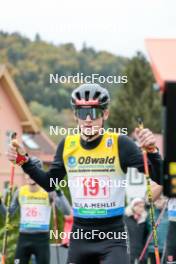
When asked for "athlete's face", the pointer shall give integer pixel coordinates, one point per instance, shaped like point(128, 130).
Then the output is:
point(30, 181)
point(90, 126)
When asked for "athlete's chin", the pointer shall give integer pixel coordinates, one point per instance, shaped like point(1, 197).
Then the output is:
point(89, 134)
point(88, 131)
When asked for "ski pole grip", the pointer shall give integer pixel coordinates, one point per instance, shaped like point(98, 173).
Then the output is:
point(21, 154)
point(151, 148)
point(140, 123)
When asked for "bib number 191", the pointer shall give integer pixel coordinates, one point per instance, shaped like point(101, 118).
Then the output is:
point(92, 188)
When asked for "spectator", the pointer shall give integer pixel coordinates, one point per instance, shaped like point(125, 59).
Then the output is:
point(136, 222)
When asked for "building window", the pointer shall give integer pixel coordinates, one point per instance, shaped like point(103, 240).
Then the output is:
point(135, 177)
point(29, 142)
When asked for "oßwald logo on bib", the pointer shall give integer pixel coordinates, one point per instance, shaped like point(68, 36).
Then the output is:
point(109, 142)
point(71, 161)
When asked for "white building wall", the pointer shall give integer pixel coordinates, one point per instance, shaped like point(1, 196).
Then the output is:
point(136, 184)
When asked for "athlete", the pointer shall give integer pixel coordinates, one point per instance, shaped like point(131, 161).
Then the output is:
point(171, 235)
point(97, 162)
point(35, 212)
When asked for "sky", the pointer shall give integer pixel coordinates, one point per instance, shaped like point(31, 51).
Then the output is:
point(117, 26)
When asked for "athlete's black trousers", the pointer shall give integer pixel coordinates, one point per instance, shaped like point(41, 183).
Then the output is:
point(32, 244)
point(98, 251)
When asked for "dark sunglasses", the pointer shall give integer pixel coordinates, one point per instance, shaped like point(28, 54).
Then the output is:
point(93, 112)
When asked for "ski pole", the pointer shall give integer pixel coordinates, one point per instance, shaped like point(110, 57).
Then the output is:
point(149, 196)
point(164, 253)
point(151, 234)
point(55, 223)
point(9, 198)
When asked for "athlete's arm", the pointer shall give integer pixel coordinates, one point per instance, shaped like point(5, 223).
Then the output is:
point(2, 208)
point(156, 190)
point(56, 172)
point(13, 206)
point(131, 156)
point(62, 203)
point(15, 203)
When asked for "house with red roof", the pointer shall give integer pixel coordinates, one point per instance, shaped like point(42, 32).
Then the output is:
point(16, 116)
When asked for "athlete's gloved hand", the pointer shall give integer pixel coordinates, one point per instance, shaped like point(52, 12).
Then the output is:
point(146, 139)
point(16, 153)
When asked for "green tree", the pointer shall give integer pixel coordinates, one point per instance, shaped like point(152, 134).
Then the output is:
point(37, 37)
point(31, 62)
point(136, 98)
point(48, 114)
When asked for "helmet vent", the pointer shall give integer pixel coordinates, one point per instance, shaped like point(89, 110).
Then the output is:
point(104, 99)
point(96, 95)
point(78, 96)
point(87, 95)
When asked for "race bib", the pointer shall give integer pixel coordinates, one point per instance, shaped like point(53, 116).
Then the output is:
point(34, 216)
point(97, 196)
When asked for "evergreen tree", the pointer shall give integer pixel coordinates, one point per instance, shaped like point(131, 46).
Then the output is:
point(136, 98)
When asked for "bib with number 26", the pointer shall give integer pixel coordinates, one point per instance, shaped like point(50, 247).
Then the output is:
point(35, 210)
